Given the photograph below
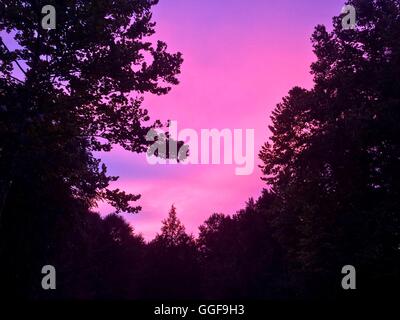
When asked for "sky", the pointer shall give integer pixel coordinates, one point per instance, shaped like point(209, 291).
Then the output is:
point(240, 58)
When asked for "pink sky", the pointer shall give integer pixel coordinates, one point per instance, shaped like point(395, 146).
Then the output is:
point(241, 58)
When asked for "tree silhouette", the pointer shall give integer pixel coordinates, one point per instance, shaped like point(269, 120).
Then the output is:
point(83, 85)
point(333, 159)
point(65, 94)
point(173, 231)
point(239, 258)
point(173, 269)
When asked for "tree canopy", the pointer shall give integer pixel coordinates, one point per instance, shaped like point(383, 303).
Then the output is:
point(334, 156)
point(81, 88)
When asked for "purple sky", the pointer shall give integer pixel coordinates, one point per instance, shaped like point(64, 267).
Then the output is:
point(241, 58)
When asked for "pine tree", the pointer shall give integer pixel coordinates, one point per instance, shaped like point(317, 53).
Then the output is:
point(172, 262)
point(334, 156)
point(173, 231)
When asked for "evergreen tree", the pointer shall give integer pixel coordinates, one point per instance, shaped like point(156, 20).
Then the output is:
point(173, 267)
point(173, 231)
point(334, 156)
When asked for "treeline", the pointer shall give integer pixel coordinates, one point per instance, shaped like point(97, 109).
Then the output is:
point(243, 256)
point(331, 167)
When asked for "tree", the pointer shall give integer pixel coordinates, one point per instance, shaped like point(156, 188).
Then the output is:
point(172, 263)
point(65, 94)
point(239, 257)
point(333, 159)
point(118, 258)
point(173, 231)
point(82, 84)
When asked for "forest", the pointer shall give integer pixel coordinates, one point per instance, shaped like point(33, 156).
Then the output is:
point(331, 166)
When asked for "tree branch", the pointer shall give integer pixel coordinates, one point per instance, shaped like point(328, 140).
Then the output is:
point(16, 61)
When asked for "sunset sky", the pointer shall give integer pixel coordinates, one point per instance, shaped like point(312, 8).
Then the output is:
point(240, 58)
